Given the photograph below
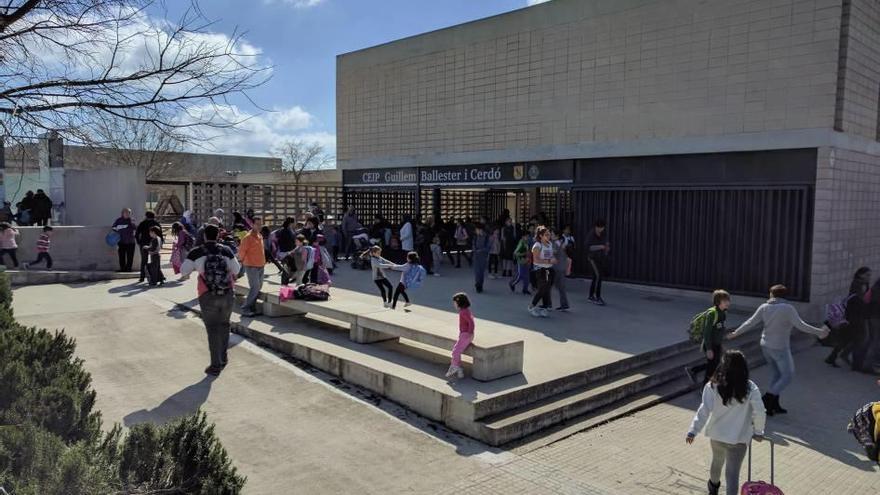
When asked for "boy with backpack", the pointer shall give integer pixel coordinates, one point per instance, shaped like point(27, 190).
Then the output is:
point(216, 267)
point(43, 249)
point(707, 328)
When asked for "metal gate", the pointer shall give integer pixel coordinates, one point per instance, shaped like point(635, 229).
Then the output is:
point(555, 204)
point(392, 204)
point(740, 239)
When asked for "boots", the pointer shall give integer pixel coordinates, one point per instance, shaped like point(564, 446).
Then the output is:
point(777, 406)
point(713, 487)
point(768, 404)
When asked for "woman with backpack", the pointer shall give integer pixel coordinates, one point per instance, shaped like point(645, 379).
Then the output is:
point(732, 414)
point(183, 244)
point(852, 335)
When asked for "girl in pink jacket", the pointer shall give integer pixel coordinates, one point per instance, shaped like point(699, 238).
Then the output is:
point(465, 333)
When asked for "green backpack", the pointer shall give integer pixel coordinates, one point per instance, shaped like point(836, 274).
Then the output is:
point(698, 323)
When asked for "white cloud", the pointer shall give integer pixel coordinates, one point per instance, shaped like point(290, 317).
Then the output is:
point(257, 134)
point(535, 2)
point(298, 4)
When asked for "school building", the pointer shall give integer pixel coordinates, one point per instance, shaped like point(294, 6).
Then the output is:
point(728, 143)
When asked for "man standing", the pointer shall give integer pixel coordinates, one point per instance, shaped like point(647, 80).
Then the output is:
point(216, 266)
point(42, 208)
point(597, 255)
point(142, 235)
point(480, 254)
point(778, 318)
point(253, 257)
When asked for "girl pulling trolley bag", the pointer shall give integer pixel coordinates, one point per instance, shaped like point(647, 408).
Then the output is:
point(761, 487)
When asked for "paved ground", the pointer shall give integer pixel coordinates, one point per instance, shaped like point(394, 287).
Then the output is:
point(293, 430)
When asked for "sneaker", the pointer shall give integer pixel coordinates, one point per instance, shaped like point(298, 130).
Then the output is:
point(512, 288)
point(593, 300)
point(690, 374)
point(562, 308)
point(544, 313)
point(210, 370)
point(406, 305)
point(534, 311)
point(527, 292)
point(600, 301)
point(459, 372)
point(386, 304)
point(26, 266)
point(436, 274)
point(450, 371)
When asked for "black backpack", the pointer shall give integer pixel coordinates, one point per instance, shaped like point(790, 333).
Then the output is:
point(862, 427)
point(216, 274)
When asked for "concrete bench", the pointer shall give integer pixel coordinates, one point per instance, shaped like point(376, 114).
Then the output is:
point(494, 356)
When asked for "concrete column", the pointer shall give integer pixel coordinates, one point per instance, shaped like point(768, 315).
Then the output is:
point(189, 196)
point(2, 172)
point(55, 148)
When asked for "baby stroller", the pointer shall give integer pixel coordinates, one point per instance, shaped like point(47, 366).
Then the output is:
point(362, 244)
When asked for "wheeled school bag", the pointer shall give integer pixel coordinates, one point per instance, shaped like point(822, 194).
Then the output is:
point(761, 487)
point(864, 427)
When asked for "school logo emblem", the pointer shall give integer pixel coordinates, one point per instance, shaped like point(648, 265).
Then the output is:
point(519, 172)
point(534, 172)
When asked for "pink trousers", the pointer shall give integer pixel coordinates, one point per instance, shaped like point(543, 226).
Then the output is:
point(464, 340)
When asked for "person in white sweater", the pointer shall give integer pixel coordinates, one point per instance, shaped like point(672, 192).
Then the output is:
point(778, 318)
point(732, 413)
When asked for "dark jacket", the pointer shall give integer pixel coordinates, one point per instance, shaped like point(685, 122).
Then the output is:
point(713, 332)
point(481, 244)
point(125, 227)
point(509, 238)
point(42, 206)
point(594, 242)
point(142, 234)
point(285, 240)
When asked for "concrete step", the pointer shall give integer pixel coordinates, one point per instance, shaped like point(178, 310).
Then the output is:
point(617, 391)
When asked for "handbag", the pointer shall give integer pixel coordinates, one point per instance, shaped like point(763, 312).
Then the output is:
point(112, 238)
point(285, 293)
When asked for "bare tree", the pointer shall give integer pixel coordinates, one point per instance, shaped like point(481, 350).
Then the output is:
point(139, 144)
point(298, 157)
point(66, 64)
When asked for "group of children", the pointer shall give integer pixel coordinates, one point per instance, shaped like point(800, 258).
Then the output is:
point(9, 246)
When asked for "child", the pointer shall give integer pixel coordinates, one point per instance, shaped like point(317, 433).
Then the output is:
point(154, 269)
point(734, 412)
point(713, 334)
point(297, 259)
point(377, 266)
point(8, 233)
point(411, 277)
point(182, 246)
point(437, 254)
point(462, 240)
point(465, 333)
point(521, 256)
point(43, 249)
point(494, 252)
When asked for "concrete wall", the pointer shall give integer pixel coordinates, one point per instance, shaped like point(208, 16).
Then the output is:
point(604, 71)
point(73, 248)
point(846, 232)
point(861, 63)
point(96, 197)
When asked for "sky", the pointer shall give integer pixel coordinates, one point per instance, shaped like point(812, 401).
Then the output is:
point(301, 39)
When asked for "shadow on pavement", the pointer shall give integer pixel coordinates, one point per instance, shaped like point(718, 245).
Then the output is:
point(186, 401)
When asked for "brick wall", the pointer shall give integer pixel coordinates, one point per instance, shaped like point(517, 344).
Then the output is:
point(846, 233)
point(571, 71)
point(861, 86)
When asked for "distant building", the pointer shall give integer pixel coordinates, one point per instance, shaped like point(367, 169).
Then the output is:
point(728, 143)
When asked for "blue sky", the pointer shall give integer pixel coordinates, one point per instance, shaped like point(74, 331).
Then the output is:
point(301, 39)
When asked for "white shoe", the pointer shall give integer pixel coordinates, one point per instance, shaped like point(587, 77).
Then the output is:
point(436, 274)
point(450, 371)
point(534, 311)
point(406, 305)
point(544, 313)
point(459, 372)
point(386, 304)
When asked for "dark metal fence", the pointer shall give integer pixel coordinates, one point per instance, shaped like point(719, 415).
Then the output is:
point(273, 202)
point(741, 239)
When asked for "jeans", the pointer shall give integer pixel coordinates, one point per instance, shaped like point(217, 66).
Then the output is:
point(731, 455)
point(481, 261)
point(255, 284)
point(596, 284)
point(215, 314)
point(544, 278)
point(12, 255)
point(126, 257)
point(781, 368)
point(559, 283)
point(43, 256)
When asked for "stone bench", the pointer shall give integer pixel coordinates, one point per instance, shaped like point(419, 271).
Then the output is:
point(494, 356)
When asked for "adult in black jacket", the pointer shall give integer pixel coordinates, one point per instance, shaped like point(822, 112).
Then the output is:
point(42, 211)
point(510, 235)
point(285, 243)
point(142, 236)
point(851, 340)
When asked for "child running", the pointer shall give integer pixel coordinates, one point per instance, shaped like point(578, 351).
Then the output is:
point(733, 413)
point(465, 333)
point(377, 267)
point(43, 243)
point(411, 277)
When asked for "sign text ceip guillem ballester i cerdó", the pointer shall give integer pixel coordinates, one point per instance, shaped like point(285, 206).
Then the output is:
point(391, 177)
point(467, 175)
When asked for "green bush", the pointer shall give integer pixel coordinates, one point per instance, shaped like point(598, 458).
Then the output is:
point(51, 440)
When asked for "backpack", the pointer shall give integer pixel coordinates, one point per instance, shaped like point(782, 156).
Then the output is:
point(698, 323)
point(216, 274)
point(415, 277)
point(863, 427)
point(310, 258)
point(312, 292)
point(835, 313)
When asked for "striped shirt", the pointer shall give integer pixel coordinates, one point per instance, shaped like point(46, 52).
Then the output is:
point(43, 243)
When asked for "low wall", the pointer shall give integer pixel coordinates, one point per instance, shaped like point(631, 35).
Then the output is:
point(73, 248)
